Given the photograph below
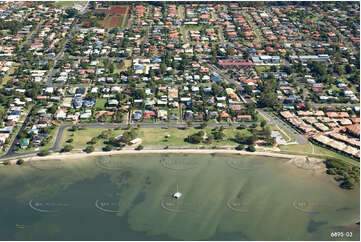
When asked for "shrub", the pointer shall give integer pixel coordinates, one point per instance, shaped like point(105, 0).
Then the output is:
point(70, 140)
point(203, 125)
point(251, 148)
point(241, 126)
point(67, 148)
point(195, 138)
point(89, 149)
point(93, 141)
point(44, 153)
point(108, 148)
point(240, 147)
point(349, 183)
point(74, 128)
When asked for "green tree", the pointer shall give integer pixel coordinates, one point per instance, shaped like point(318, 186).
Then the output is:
point(251, 148)
point(268, 99)
point(349, 183)
point(240, 147)
point(71, 12)
point(74, 128)
point(89, 149)
point(44, 153)
point(108, 148)
point(111, 68)
point(263, 123)
point(195, 138)
point(67, 148)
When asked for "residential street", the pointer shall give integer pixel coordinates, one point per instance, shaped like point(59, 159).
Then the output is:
point(275, 120)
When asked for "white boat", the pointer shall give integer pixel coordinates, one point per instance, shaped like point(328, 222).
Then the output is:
point(177, 195)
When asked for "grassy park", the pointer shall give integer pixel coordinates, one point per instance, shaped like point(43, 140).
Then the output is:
point(149, 136)
point(68, 3)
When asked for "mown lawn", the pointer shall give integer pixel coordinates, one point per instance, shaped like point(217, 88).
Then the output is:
point(8, 74)
point(68, 3)
point(100, 103)
point(156, 136)
point(53, 133)
point(150, 136)
point(260, 69)
point(81, 137)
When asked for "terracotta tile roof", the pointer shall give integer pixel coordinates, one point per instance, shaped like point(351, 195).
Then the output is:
point(354, 129)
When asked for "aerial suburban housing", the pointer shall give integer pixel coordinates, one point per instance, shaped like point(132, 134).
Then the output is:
point(273, 77)
point(180, 120)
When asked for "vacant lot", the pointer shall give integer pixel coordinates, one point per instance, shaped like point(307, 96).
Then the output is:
point(105, 22)
point(114, 21)
point(120, 67)
point(117, 16)
point(118, 9)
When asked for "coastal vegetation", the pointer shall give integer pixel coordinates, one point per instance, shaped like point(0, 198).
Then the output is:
point(348, 175)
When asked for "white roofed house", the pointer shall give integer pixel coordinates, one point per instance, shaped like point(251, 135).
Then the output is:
point(49, 90)
point(206, 78)
point(221, 99)
point(162, 114)
point(94, 90)
point(115, 89)
point(135, 141)
point(60, 114)
point(195, 89)
point(18, 102)
point(86, 115)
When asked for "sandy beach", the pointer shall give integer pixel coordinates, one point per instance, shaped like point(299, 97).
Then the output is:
point(71, 156)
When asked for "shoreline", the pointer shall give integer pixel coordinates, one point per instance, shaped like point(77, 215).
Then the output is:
point(64, 156)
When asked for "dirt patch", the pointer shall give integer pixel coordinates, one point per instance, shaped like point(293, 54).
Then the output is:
point(118, 9)
point(114, 21)
point(105, 21)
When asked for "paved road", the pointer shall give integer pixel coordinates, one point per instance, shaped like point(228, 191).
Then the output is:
point(184, 34)
point(225, 77)
point(29, 40)
point(275, 120)
point(349, 45)
point(11, 151)
point(221, 36)
point(68, 39)
point(316, 105)
point(254, 27)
